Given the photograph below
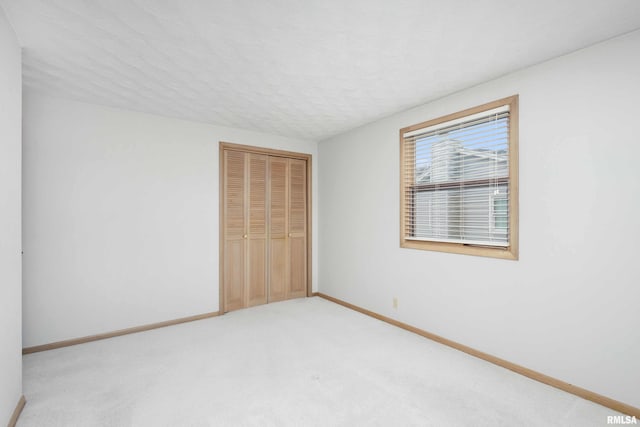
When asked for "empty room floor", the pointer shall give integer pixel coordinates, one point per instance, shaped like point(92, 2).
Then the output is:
point(304, 362)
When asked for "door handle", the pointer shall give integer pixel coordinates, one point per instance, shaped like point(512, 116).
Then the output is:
point(245, 236)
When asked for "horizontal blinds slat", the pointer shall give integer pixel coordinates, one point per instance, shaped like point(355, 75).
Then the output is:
point(463, 156)
point(488, 133)
point(469, 172)
point(469, 204)
point(486, 162)
point(454, 216)
point(484, 150)
point(452, 186)
point(477, 225)
point(463, 241)
point(497, 231)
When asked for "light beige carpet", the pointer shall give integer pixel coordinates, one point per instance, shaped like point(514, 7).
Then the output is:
point(305, 362)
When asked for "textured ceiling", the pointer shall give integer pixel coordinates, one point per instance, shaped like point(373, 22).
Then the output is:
point(303, 68)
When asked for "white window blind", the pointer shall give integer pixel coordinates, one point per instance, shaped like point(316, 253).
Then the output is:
point(456, 180)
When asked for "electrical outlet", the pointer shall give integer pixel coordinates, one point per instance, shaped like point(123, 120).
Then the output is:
point(395, 303)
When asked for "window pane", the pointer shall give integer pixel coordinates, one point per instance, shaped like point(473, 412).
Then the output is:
point(475, 152)
point(467, 214)
point(500, 213)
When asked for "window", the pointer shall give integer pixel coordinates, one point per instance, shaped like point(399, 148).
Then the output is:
point(459, 182)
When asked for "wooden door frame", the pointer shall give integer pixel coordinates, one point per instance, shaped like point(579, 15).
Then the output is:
point(270, 152)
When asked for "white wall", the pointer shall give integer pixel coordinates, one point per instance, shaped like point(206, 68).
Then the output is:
point(121, 217)
point(569, 307)
point(10, 233)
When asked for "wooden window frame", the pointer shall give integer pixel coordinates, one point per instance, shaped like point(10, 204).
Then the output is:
point(510, 252)
point(221, 168)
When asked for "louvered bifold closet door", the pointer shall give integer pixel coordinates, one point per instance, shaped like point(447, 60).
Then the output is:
point(235, 196)
point(278, 238)
point(265, 234)
point(257, 231)
point(297, 235)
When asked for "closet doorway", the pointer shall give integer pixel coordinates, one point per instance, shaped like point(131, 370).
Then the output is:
point(265, 226)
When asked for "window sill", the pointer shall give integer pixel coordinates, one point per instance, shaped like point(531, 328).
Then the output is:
point(509, 253)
